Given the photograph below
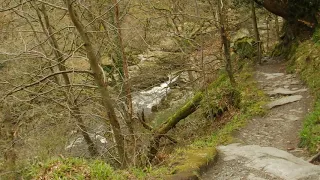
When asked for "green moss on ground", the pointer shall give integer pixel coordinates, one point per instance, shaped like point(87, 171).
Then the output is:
point(73, 168)
point(81, 169)
point(310, 134)
point(305, 60)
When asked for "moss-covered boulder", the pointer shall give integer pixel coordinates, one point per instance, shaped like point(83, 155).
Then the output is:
point(244, 47)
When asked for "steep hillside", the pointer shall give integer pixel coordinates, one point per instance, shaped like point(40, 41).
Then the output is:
point(304, 59)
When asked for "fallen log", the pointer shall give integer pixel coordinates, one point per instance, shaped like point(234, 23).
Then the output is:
point(227, 96)
point(171, 122)
point(150, 128)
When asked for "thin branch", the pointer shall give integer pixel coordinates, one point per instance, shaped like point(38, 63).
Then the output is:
point(11, 8)
point(53, 5)
point(44, 78)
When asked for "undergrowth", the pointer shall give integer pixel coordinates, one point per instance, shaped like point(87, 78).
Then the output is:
point(82, 169)
point(72, 168)
point(305, 60)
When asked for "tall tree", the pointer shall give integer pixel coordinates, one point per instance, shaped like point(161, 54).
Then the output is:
point(124, 70)
point(225, 39)
point(75, 110)
point(10, 127)
point(276, 21)
point(268, 31)
point(100, 81)
point(256, 30)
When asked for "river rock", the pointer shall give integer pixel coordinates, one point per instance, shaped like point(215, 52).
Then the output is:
point(169, 44)
point(284, 100)
point(273, 161)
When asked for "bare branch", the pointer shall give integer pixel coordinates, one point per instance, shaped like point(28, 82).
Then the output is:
point(53, 5)
point(44, 78)
point(11, 8)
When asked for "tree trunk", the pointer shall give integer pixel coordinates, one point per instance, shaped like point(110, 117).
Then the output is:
point(225, 41)
point(277, 26)
point(293, 11)
point(75, 111)
point(126, 81)
point(10, 132)
point(268, 32)
point(99, 78)
point(256, 31)
point(276, 7)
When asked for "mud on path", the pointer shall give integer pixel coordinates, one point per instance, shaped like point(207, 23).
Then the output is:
point(268, 146)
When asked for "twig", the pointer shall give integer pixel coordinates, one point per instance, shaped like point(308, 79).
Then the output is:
point(43, 79)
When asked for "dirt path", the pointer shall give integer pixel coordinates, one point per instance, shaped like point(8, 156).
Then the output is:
point(279, 128)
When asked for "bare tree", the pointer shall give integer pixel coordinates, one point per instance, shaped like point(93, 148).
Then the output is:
point(9, 134)
point(100, 80)
point(127, 86)
point(225, 39)
point(256, 30)
point(75, 110)
point(276, 20)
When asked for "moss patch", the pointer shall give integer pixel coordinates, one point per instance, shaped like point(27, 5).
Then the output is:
point(73, 168)
point(310, 134)
point(192, 159)
point(78, 169)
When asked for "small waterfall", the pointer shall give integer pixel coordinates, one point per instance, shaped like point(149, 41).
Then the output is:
point(145, 100)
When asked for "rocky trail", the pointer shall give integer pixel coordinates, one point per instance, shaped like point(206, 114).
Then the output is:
point(267, 147)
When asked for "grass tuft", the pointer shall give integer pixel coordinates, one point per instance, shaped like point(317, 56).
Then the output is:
point(73, 169)
point(310, 134)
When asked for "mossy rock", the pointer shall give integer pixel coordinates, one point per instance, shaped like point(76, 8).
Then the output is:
point(169, 44)
point(192, 162)
point(244, 47)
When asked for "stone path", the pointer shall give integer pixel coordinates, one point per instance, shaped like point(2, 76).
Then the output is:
point(268, 146)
